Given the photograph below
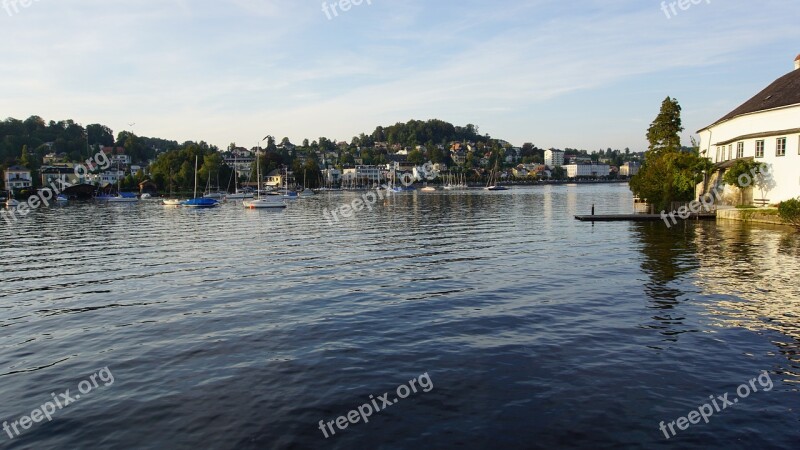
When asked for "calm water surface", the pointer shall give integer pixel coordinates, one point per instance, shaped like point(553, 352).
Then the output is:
point(237, 329)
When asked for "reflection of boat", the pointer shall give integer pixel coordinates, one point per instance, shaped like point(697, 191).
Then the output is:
point(10, 202)
point(202, 202)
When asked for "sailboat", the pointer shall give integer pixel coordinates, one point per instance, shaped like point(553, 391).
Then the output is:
point(209, 193)
point(286, 194)
point(265, 202)
point(237, 195)
point(121, 197)
point(201, 202)
point(306, 191)
point(171, 201)
point(492, 185)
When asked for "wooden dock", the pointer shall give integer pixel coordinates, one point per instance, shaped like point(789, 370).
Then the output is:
point(641, 217)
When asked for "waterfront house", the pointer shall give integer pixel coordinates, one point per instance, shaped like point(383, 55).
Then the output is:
point(584, 170)
point(17, 177)
point(59, 175)
point(765, 128)
point(275, 178)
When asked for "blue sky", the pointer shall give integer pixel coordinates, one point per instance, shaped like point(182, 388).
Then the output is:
point(558, 73)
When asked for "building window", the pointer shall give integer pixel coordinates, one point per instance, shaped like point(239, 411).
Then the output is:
point(740, 150)
point(719, 150)
point(730, 152)
point(759, 149)
point(780, 147)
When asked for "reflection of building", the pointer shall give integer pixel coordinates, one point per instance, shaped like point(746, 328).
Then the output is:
point(755, 289)
point(765, 128)
point(17, 177)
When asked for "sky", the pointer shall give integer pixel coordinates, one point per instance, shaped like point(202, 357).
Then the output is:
point(585, 74)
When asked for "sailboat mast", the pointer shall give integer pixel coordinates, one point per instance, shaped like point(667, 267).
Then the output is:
point(195, 176)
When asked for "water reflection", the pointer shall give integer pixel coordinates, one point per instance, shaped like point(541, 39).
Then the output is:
point(751, 273)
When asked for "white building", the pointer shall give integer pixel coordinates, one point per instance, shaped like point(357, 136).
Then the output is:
point(587, 170)
point(361, 174)
point(629, 169)
point(332, 175)
point(17, 177)
point(553, 158)
point(765, 128)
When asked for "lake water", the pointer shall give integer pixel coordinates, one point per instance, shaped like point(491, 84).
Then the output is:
point(230, 328)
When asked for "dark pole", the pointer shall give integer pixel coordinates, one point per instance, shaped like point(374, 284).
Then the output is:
point(592, 208)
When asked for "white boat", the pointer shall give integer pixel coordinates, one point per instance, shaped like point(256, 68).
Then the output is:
point(240, 196)
point(145, 196)
point(492, 185)
point(122, 199)
point(10, 202)
point(172, 202)
point(267, 201)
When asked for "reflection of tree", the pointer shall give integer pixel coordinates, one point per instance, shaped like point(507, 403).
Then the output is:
point(669, 254)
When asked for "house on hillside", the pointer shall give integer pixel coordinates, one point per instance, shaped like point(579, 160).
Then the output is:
point(766, 129)
point(17, 177)
point(117, 155)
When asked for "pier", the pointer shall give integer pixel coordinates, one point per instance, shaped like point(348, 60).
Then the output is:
point(640, 217)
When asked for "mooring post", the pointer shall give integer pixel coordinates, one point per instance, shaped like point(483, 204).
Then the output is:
point(592, 208)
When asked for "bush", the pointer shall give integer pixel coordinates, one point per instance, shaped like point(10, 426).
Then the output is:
point(790, 212)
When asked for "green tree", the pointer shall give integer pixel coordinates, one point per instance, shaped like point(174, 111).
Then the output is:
point(416, 157)
point(664, 133)
point(668, 173)
point(789, 212)
point(742, 175)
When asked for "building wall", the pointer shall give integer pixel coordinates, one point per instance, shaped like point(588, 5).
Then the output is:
point(17, 179)
point(553, 158)
point(587, 170)
point(785, 169)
